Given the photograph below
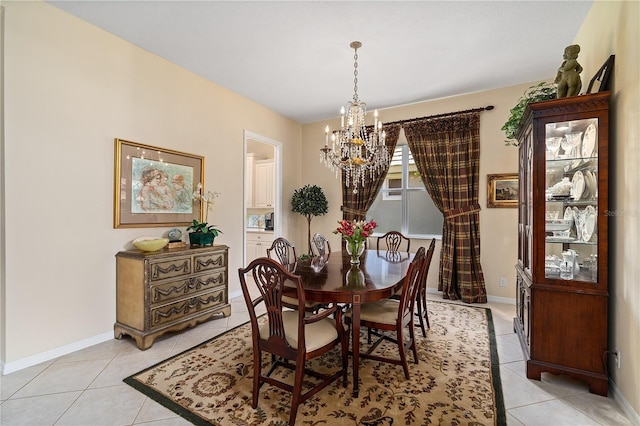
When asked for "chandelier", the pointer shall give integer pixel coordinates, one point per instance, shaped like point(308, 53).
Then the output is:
point(355, 149)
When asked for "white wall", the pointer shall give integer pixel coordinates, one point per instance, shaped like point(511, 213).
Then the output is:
point(612, 28)
point(70, 88)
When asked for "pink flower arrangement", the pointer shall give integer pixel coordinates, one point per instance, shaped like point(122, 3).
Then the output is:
point(355, 231)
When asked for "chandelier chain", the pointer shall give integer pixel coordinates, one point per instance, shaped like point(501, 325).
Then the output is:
point(355, 74)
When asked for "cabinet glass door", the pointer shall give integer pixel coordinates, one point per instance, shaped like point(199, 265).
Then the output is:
point(571, 198)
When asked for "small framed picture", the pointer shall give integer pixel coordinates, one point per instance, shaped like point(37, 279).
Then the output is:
point(502, 190)
point(154, 186)
point(600, 81)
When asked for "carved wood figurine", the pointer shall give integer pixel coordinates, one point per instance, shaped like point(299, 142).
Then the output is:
point(568, 77)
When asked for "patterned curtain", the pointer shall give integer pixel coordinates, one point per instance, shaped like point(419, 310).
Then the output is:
point(355, 206)
point(447, 153)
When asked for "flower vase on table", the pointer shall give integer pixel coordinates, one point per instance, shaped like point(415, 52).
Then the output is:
point(355, 250)
point(355, 234)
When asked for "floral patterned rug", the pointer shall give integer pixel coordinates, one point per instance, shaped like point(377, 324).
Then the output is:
point(456, 381)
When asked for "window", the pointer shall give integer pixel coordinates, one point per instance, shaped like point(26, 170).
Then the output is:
point(403, 203)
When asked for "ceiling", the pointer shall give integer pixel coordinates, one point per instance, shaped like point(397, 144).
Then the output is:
point(294, 56)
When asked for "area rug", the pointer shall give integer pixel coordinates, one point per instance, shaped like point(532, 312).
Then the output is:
point(456, 381)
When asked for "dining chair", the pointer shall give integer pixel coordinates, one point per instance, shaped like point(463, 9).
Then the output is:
point(421, 295)
point(394, 315)
point(285, 253)
point(320, 245)
point(290, 335)
point(393, 241)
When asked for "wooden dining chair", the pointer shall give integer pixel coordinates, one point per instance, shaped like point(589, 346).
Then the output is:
point(290, 335)
point(285, 253)
point(394, 315)
point(320, 245)
point(421, 295)
point(393, 241)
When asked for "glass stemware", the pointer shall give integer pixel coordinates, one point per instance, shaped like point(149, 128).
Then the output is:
point(553, 145)
point(570, 142)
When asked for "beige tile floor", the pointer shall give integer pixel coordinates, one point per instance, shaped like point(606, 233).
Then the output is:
point(85, 387)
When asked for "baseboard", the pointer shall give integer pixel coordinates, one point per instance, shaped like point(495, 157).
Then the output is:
point(235, 294)
point(627, 409)
point(12, 367)
point(494, 299)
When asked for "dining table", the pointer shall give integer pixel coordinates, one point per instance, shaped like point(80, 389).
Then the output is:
point(379, 275)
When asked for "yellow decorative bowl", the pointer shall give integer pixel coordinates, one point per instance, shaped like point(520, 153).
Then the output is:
point(150, 243)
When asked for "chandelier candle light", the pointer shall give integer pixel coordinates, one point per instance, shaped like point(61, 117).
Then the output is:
point(355, 148)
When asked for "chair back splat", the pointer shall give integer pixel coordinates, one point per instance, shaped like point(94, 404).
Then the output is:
point(394, 241)
point(282, 250)
point(289, 335)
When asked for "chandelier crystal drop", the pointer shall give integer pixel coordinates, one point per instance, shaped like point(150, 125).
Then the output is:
point(356, 149)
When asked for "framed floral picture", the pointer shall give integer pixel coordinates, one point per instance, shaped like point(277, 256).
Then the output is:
point(153, 186)
point(502, 190)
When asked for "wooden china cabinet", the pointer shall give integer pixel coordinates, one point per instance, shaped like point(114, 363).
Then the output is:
point(562, 289)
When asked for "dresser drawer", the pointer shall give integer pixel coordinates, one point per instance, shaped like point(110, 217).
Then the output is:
point(169, 268)
point(160, 293)
point(208, 261)
point(183, 308)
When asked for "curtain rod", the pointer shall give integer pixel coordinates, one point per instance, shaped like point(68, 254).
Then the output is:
point(446, 114)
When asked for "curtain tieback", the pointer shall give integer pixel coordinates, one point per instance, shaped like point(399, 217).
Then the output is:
point(356, 212)
point(472, 208)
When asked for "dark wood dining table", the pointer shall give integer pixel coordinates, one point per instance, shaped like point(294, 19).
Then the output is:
point(379, 275)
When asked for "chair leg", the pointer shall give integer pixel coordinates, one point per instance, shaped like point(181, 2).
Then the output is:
point(257, 369)
point(403, 355)
point(297, 392)
point(424, 332)
point(426, 314)
point(412, 336)
point(345, 359)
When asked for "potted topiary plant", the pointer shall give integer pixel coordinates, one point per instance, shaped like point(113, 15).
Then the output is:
point(201, 233)
point(539, 92)
point(309, 201)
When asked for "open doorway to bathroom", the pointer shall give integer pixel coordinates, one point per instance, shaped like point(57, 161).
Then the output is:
point(262, 194)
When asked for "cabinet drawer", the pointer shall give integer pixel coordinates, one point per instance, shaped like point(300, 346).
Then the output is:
point(183, 308)
point(188, 286)
point(209, 261)
point(170, 268)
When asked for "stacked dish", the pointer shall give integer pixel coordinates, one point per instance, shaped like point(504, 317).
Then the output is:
point(590, 141)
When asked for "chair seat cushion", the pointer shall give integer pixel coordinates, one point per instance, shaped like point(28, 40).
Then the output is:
point(384, 311)
point(317, 334)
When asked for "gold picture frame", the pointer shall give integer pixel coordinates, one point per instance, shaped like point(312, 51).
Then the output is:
point(502, 190)
point(153, 186)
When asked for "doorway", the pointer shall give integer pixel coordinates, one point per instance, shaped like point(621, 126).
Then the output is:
point(262, 194)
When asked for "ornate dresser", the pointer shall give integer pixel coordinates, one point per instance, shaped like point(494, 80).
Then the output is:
point(169, 290)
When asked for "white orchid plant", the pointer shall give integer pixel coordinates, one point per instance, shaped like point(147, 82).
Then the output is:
point(206, 200)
